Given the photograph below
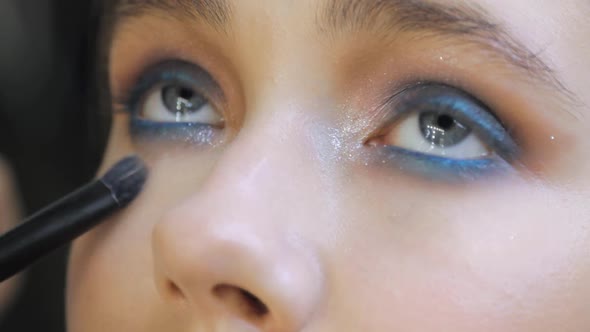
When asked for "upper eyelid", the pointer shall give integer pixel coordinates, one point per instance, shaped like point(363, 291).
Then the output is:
point(493, 132)
point(153, 76)
point(399, 97)
point(177, 71)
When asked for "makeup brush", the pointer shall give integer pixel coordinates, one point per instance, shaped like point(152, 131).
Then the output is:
point(71, 216)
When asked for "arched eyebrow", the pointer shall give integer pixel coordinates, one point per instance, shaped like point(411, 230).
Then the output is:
point(216, 13)
point(464, 22)
point(460, 22)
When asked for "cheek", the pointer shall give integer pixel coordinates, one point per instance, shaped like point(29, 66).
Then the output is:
point(110, 273)
point(513, 258)
point(530, 250)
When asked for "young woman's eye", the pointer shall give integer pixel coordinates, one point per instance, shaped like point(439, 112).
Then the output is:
point(437, 130)
point(439, 134)
point(176, 101)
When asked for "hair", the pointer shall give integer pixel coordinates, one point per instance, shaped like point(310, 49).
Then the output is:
point(97, 89)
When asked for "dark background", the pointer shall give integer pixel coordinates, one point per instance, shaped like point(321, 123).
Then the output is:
point(46, 130)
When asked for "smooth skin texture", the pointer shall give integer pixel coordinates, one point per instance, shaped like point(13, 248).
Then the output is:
point(290, 218)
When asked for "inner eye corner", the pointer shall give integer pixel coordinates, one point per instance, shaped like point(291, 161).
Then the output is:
point(376, 142)
point(373, 138)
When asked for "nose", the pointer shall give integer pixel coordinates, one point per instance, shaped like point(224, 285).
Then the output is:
point(232, 254)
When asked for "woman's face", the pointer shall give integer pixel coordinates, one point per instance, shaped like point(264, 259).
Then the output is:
point(346, 165)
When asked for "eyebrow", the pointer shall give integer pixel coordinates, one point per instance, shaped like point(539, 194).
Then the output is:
point(216, 13)
point(465, 21)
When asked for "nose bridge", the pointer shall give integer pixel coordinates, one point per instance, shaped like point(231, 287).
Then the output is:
point(236, 243)
point(272, 161)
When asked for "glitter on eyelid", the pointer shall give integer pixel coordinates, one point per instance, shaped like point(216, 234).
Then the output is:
point(485, 129)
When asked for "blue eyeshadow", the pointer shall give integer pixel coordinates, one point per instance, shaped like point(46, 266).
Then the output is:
point(184, 132)
point(432, 97)
point(440, 168)
point(170, 73)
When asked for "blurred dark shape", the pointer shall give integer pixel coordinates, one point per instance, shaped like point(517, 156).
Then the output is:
point(45, 130)
point(9, 216)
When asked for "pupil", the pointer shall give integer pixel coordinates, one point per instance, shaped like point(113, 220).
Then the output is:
point(445, 122)
point(185, 93)
point(181, 100)
point(442, 130)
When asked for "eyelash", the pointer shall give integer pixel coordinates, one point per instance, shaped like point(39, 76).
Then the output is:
point(419, 96)
point(462, 106)
point(169, 73)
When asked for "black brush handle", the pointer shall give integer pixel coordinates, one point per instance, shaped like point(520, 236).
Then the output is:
point(55, 226)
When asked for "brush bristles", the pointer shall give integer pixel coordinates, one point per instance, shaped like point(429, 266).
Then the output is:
point(126, 179)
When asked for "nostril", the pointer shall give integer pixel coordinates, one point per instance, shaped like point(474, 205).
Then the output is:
point(257, 307)
point(241, 302)
point(174, 291)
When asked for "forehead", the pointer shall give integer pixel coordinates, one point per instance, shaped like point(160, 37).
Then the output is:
point(220, 12)
point(497, 25)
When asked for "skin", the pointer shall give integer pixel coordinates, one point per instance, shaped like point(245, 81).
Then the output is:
point(289, 204)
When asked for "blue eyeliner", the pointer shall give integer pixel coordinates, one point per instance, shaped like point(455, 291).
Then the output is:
point(186, 132)
point(443, 99)
point(172, 73)
point(440, 168)
point(423, 99)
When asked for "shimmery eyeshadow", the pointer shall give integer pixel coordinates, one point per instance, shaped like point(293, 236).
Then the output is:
point(469, 111)
point(440, 168)
point(192, 133)
point(172, 72)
